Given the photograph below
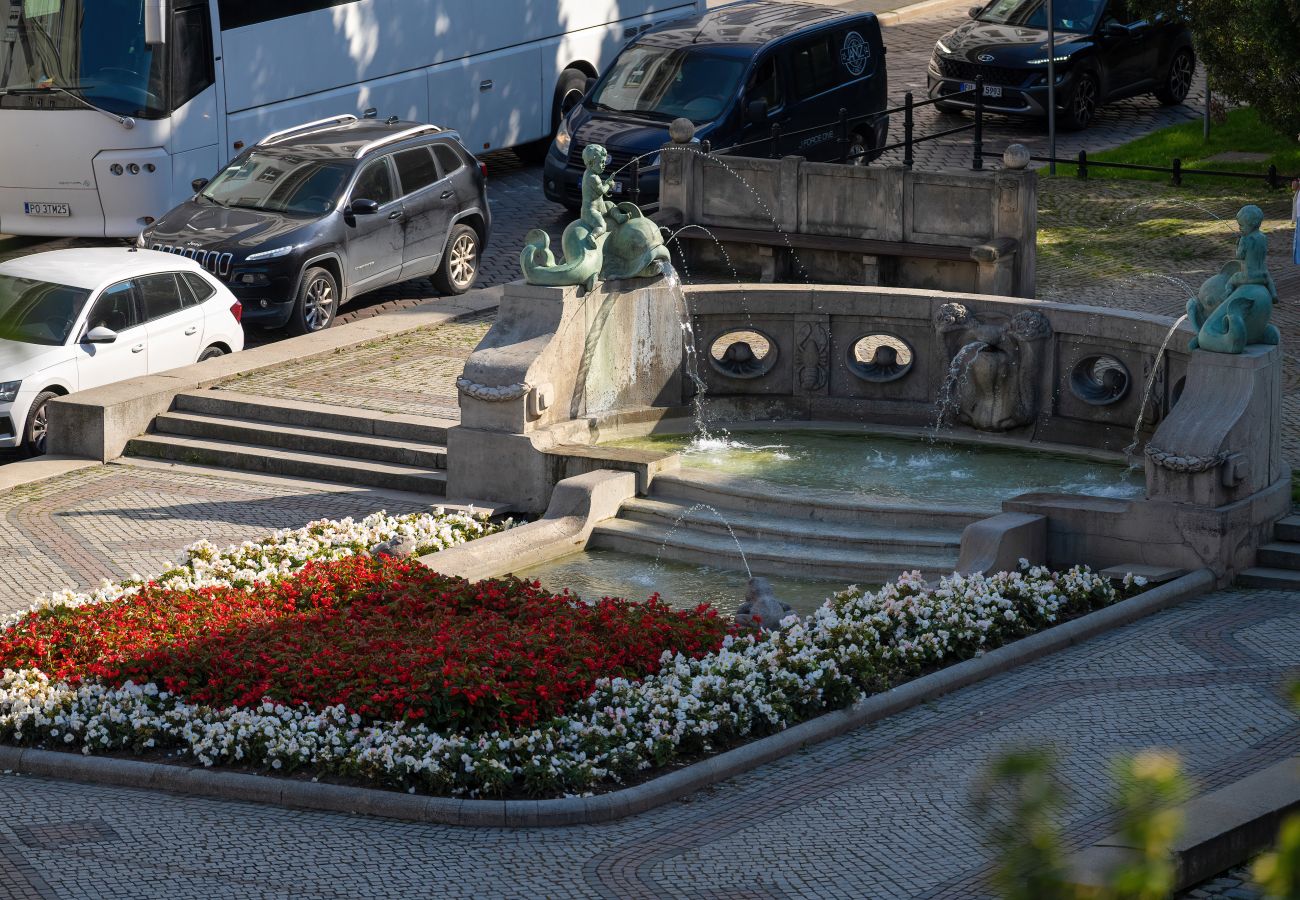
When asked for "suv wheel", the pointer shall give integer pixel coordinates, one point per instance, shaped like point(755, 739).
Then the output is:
point(1178, 80)
point(318, 302)
point(459, 267)
point(38, 424)
point(1082, 106)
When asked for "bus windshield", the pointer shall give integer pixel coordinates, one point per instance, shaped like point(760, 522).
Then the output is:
point(38, 312)
point(691, 82)
point(280, 182)
point(94, 49)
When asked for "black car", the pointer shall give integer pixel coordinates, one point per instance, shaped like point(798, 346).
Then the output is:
point(735, 72)
point(315, 215)
point(1103, 52)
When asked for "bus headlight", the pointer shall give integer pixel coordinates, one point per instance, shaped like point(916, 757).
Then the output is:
point(563, 138)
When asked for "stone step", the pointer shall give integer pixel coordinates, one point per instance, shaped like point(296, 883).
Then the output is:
point(761, 498)
point(298, 413)
point(1279, 555)
point(772, 557)
point(1260, 577)
point(1287, 529)
point(879, 531)
point(321, 441)
point(252, 458)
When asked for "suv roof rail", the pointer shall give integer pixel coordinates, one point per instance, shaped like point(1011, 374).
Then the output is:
point(394, 138)
point(319, 124)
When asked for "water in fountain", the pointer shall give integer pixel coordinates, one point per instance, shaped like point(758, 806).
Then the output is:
point(1146, 393)
point(682, 518)
point(950, 392)
point(692, 355)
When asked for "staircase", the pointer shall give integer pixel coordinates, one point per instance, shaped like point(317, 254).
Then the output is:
point(785, 532)
point(305, 440)
point(1278, 563)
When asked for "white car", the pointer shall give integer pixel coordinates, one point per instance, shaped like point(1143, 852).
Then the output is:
point(77, 319)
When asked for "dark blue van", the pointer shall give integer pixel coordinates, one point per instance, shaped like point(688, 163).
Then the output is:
point(735, 72)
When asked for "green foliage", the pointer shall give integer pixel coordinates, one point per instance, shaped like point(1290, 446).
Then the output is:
point(1020, 798)
point(1278, 872)
point(1150, 786)
point(1243, 131)
point(1251, 49)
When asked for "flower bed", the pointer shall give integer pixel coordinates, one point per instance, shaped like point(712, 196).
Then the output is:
point(601, 730)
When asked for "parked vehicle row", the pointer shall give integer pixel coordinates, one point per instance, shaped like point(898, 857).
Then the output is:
point(739, 71)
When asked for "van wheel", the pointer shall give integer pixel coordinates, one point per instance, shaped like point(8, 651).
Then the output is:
point(862, 143)
point(38, 424)
point(459, 268)
point(318, 302)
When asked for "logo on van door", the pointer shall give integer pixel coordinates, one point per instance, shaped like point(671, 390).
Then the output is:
point(855, 53)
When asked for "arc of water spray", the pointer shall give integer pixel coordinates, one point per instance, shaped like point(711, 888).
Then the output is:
point(958, 369)
point(682, 518)
point(1146, 393)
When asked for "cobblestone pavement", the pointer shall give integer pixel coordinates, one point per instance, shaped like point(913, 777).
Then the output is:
point(1234, 884)
point(882, 812)
point(412, 372)
point(117, 520)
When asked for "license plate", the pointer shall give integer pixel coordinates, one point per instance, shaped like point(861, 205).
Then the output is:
point(47, 209)
point(990, 90)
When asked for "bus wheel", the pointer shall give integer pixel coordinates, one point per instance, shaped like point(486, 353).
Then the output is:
point(568, 94)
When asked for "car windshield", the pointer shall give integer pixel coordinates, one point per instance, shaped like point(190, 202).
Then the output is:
point(94, 49)
point(1071, 15)
point(280, 182)
point(693, 83)
point(39, 312)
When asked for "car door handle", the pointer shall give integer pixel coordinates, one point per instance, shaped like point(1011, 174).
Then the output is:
point(396, 214)
point(446, 194)
point(138, 348)
point(191, 330)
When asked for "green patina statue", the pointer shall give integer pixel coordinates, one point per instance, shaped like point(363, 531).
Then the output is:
point(1232, 308)
point(610, 240)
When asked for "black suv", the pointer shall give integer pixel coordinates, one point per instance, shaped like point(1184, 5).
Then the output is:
point(1103, 52)
point(315, 215)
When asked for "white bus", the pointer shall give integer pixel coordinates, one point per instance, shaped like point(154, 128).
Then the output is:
point(110, 108)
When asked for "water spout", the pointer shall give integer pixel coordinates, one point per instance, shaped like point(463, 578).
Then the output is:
point(949, 392)
point(682, 518)
point(1131, 449)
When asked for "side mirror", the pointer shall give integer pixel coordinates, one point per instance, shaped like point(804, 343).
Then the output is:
point(363, 207)
point(756, 112)
point(199, 184)
point(588, 85)
point(155, 22)
point(974, 11)
point(100, 335)
point(1114, 29)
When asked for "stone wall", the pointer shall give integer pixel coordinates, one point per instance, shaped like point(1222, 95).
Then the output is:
point(988, 218)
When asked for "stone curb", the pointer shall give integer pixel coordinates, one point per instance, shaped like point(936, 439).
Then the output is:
point(616, 804)
point(918, 11)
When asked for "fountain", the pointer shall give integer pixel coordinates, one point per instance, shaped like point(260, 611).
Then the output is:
point(830, 391)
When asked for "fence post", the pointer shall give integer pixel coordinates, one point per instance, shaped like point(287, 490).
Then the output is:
point(1083, 164)
point(843, 135)
point(1272, 178)
point(636, 180)
point(1178, 172)
point(907, 130)
point(775, 152)
point(978, 162)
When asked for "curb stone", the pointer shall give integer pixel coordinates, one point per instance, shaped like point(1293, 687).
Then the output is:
point(223, 785)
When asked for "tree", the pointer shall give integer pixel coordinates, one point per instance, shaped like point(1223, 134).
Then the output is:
point(1251, 48)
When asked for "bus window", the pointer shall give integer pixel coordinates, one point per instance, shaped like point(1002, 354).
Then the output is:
point(191, 53)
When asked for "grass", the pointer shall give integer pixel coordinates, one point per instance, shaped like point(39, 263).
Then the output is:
point(1243, 132)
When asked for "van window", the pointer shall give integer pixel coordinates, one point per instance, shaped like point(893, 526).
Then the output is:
point(814, 64)
point(764, 85)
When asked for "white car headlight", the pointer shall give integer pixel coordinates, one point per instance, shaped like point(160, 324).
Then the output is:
point(271, 254)
point(9, 391)
point(942, 47)
point(563, 138)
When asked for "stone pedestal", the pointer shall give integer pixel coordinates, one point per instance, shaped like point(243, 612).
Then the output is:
point(556, 357)
point(1222, 442)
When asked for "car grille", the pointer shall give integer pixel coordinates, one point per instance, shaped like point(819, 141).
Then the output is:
point(968, 71)
point(214, 261)
point(6, 427)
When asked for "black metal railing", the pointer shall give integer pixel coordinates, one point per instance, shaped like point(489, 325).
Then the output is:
point(1175, 169)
